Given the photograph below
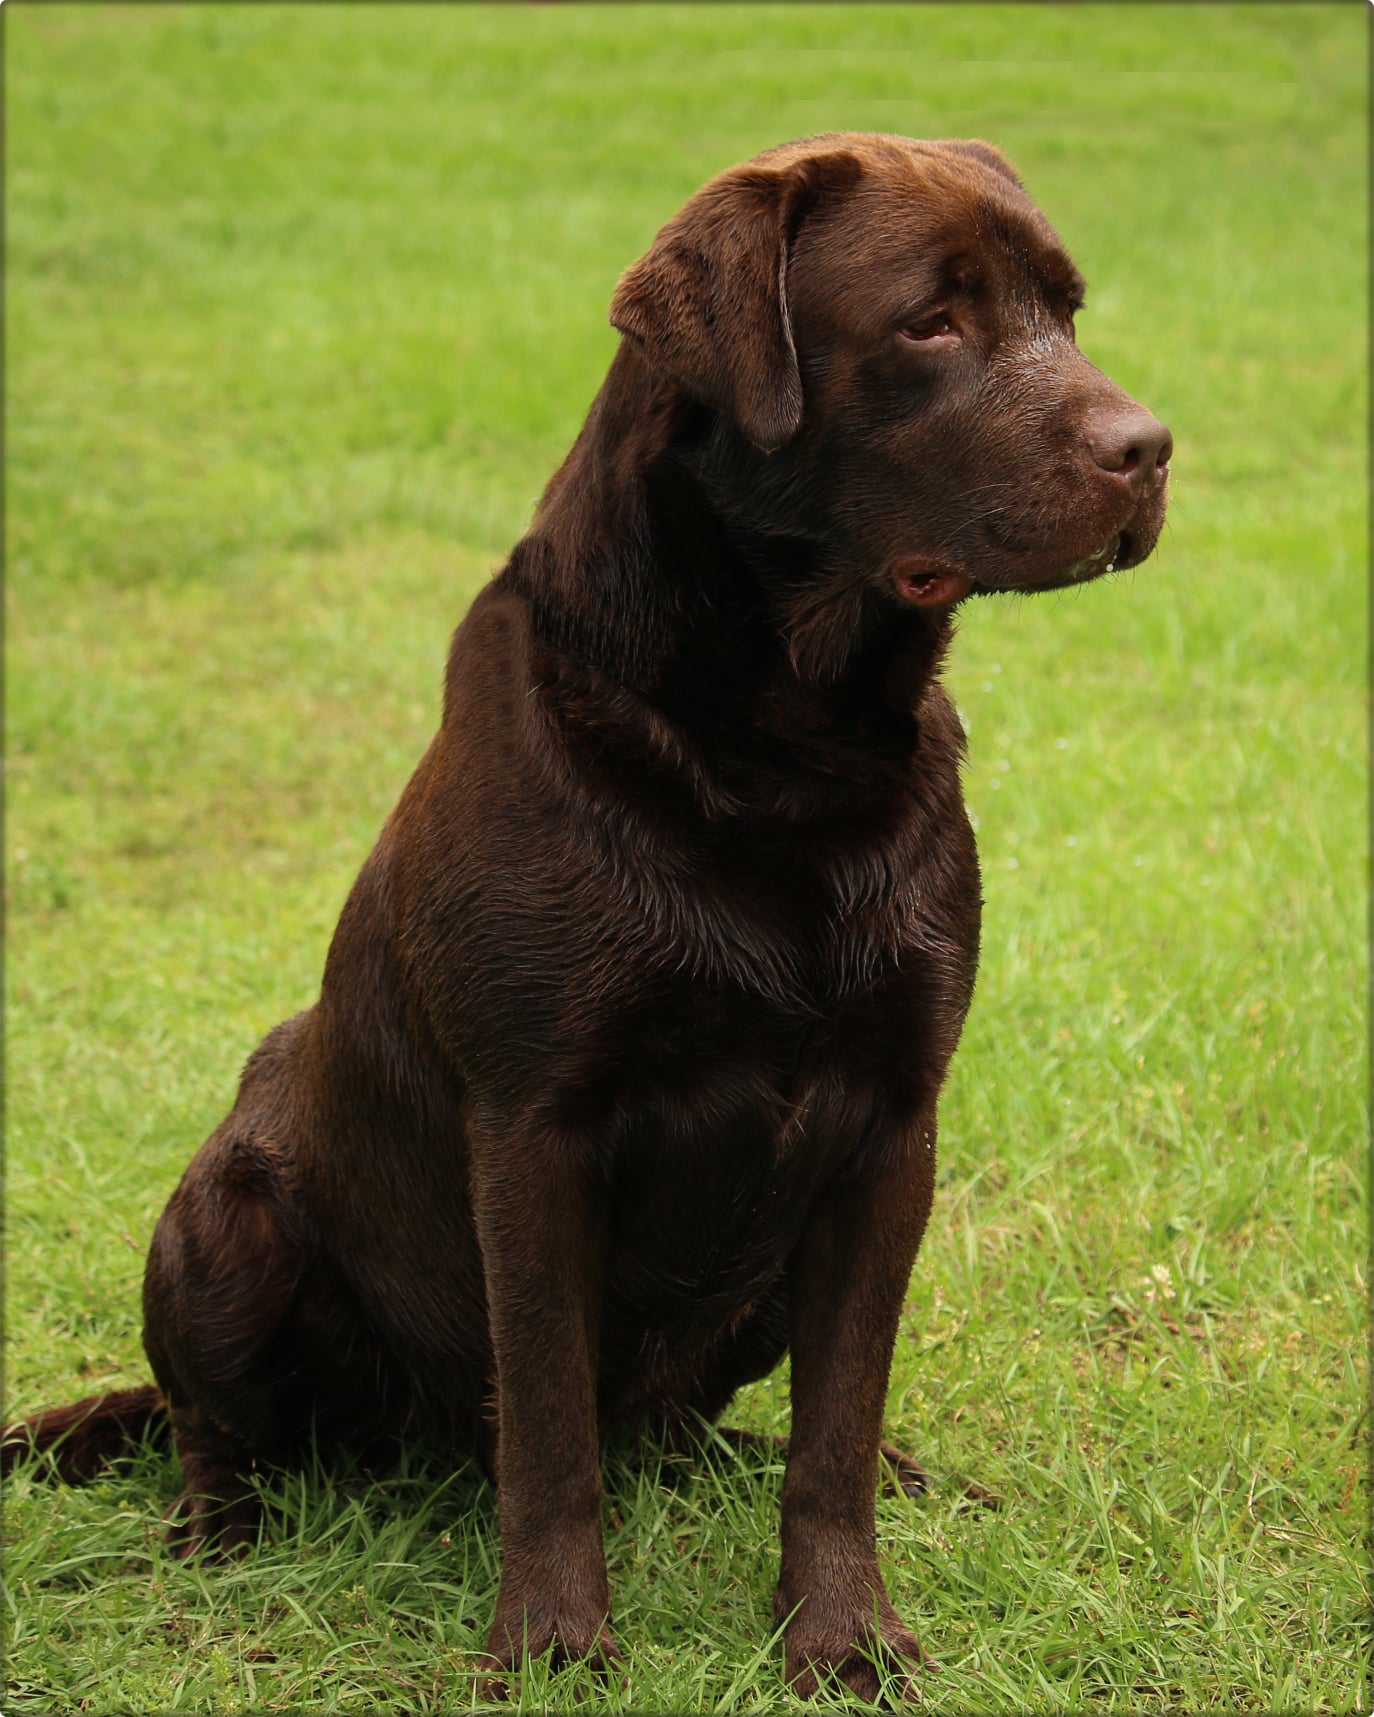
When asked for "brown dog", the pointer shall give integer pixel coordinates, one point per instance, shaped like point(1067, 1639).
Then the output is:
point(623, 1077)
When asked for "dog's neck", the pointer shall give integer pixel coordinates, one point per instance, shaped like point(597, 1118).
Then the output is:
point(658, 557)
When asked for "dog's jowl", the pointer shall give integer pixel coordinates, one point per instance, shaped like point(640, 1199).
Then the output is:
point(622, 1082)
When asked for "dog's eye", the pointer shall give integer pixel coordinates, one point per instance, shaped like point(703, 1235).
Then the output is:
point(929, 328)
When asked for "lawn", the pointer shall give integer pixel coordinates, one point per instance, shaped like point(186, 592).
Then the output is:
point(304, 304)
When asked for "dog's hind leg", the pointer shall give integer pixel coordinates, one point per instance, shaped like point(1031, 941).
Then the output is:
point(217, 1512)
point(227, 1259)
point(755, 1350)
point(905, 1476)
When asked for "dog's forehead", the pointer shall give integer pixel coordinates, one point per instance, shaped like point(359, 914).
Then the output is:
point(916, 212)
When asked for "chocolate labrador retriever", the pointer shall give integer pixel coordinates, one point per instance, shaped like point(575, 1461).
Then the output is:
point(622, 1081)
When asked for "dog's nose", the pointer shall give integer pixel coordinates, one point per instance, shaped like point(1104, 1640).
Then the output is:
point(1131, 443)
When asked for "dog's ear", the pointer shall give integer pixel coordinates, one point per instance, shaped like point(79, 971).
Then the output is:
point(708, 303)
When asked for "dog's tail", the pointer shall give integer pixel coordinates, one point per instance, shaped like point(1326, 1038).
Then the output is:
point(81, 1439)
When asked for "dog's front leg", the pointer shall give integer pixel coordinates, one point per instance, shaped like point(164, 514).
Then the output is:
point(542, 1243)
point(847, 1280)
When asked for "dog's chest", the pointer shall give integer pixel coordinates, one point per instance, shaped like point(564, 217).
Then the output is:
point(715, 1168)
point(725, 1132)
point(794, 935)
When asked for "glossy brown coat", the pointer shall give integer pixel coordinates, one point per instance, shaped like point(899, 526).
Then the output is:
point(623, 1077)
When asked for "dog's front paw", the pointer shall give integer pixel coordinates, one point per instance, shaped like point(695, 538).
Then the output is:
point(864, 1648)
point(565, 1639)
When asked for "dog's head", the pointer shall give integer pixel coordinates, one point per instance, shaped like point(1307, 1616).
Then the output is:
point(885, 332)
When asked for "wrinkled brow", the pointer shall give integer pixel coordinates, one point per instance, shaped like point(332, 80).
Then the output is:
point(1030, 241)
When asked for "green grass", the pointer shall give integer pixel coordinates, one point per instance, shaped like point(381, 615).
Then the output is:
point(303, 305)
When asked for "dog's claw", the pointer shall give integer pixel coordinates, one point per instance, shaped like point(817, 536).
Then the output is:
point(856, 1666)
point(906, 1477)
point(564, 1645)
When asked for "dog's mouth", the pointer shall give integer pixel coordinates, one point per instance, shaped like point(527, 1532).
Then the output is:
point(1110, 557)
point(939, 581)
point(1112, 550)
point(1115, 553)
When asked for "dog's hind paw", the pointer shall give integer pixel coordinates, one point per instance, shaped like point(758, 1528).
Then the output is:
point(905, 1476)
point(214, 1528)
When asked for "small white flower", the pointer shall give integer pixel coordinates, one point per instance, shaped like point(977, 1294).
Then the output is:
point(1160, 1279)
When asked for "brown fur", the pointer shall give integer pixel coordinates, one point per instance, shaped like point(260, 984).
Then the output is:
point(623, 1076)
